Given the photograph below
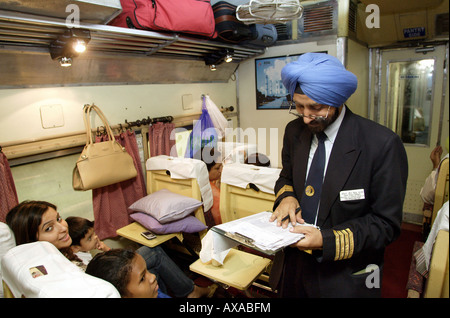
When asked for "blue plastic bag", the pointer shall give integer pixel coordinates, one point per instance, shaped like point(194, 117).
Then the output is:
point(203, 134)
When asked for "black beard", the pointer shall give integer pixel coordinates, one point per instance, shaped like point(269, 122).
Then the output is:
point(319, 126)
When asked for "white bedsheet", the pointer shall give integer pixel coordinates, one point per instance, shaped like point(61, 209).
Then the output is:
point(240, 175)
point(39, 270)
point(7, 242)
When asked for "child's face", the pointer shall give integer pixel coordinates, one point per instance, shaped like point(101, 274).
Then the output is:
point(215, 172)
point(142, 283)
point(89, 241)
point(54, 229)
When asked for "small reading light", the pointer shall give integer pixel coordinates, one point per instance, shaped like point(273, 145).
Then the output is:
point(228, 57)
point(65, 61)
point(69, 45)
point(216, 58)
point(79, 45)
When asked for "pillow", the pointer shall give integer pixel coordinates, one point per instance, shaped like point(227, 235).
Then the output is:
point(189, 224)
point(7, 242)
point(166, 206)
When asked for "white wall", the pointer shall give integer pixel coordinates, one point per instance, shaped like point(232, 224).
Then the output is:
point(20, 115)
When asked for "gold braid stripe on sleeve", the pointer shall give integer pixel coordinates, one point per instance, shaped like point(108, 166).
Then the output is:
point(286, 188)
point(345, 244)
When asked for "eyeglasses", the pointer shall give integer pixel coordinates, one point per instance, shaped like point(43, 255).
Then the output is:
point(313, 117)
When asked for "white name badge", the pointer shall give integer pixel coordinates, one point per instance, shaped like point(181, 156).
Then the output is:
point(351, 195)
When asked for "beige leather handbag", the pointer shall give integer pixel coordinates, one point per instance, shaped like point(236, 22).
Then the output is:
point(101, 163)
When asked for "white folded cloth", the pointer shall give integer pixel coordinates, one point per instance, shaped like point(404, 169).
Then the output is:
point(240, 175)
point(39, 270)
point(423, 255)
point(215, 247)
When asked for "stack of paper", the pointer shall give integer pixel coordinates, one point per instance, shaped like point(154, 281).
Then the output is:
point(260, 232)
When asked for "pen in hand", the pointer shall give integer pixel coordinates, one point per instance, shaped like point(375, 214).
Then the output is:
point(287, 216)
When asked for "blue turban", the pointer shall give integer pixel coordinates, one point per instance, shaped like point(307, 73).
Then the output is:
point(321, 77)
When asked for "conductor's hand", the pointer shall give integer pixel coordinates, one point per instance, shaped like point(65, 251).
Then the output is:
point(286, 207)
point(313, 237)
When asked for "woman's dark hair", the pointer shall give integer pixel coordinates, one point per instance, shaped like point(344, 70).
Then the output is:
point(78, 227)
point(113, 266)
point(209, 155)
point(24, 220)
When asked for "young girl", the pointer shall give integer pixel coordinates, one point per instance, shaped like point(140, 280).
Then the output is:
point(127, 271)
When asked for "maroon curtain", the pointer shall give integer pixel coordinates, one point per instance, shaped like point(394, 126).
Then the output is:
point(111, 203)
point(159, 139)
point(8, 193)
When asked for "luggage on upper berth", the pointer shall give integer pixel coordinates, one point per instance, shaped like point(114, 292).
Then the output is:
point(230, 29)
point(183, 16)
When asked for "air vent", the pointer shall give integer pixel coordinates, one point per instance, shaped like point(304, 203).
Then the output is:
point(318, 19)
point(284, 31)
point(442, 24)
point(353, 9)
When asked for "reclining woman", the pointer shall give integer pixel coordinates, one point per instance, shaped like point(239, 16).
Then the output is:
point(33, 221)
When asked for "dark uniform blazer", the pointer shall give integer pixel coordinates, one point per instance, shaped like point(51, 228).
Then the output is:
point(366, 156)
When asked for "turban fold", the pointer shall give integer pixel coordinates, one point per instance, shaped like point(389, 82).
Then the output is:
point(321, 77)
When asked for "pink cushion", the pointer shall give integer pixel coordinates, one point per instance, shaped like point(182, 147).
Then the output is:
point(189, 224)
point(166, 206)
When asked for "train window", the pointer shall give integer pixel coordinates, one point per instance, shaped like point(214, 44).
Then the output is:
point(410, 98)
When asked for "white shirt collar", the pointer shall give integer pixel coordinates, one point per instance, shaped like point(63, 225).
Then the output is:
point(332, 130)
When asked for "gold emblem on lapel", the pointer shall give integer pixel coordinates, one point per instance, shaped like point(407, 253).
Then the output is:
point(309, 191)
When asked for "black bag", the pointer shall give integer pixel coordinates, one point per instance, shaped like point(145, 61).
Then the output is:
point(229, 29)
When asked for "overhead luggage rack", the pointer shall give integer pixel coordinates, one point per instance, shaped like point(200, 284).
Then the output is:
point(114, 55)
point(36, 33)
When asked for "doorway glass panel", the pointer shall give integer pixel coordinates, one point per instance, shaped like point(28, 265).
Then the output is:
point(410, 99)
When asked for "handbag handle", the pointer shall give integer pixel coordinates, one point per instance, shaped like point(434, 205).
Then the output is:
point(87, 123)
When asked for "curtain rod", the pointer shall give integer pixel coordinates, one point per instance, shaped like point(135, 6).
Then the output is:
point(21, 148)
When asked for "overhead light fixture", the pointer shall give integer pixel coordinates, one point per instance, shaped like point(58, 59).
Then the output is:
point(218, 57)
point(69, 45)
point(79, 45)
point(65, 61)
point(228, 57)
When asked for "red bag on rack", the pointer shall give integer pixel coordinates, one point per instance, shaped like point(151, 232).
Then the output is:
point(181, 16)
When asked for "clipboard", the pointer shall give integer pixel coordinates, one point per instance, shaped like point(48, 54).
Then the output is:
point(244, 240)
point(243, 230)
